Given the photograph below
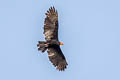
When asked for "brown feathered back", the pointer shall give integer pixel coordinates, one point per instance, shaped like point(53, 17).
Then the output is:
point(55, 54)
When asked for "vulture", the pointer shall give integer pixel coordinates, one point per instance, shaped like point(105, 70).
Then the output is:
point(52, 43)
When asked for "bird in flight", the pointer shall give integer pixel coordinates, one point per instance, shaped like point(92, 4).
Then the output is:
point(52, 43)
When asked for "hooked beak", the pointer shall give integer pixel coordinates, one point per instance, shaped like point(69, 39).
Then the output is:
point(61, 43)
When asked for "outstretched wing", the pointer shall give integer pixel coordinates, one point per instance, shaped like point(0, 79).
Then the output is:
point(57, 58)
point(51, 25)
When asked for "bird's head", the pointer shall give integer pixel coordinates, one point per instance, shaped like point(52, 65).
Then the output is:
point(60, 43)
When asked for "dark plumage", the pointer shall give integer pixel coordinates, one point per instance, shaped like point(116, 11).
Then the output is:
point(52, 44)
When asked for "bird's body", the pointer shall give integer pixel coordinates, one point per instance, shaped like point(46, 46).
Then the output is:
point(52, 44)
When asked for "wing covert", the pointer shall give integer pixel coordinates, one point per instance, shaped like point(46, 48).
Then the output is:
point(57, 58)
point(51, 25)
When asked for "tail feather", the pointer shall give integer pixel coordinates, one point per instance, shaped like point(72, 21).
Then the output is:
point(42, 46)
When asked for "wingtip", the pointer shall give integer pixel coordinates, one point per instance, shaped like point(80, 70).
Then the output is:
point(51, 10)
point(61, 67)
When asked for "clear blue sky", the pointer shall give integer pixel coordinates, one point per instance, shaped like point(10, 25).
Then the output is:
point(89, 29)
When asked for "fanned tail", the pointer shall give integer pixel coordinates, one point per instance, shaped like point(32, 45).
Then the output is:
point(42, 46)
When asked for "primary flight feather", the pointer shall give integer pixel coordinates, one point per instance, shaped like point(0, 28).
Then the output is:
point(52, 44)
